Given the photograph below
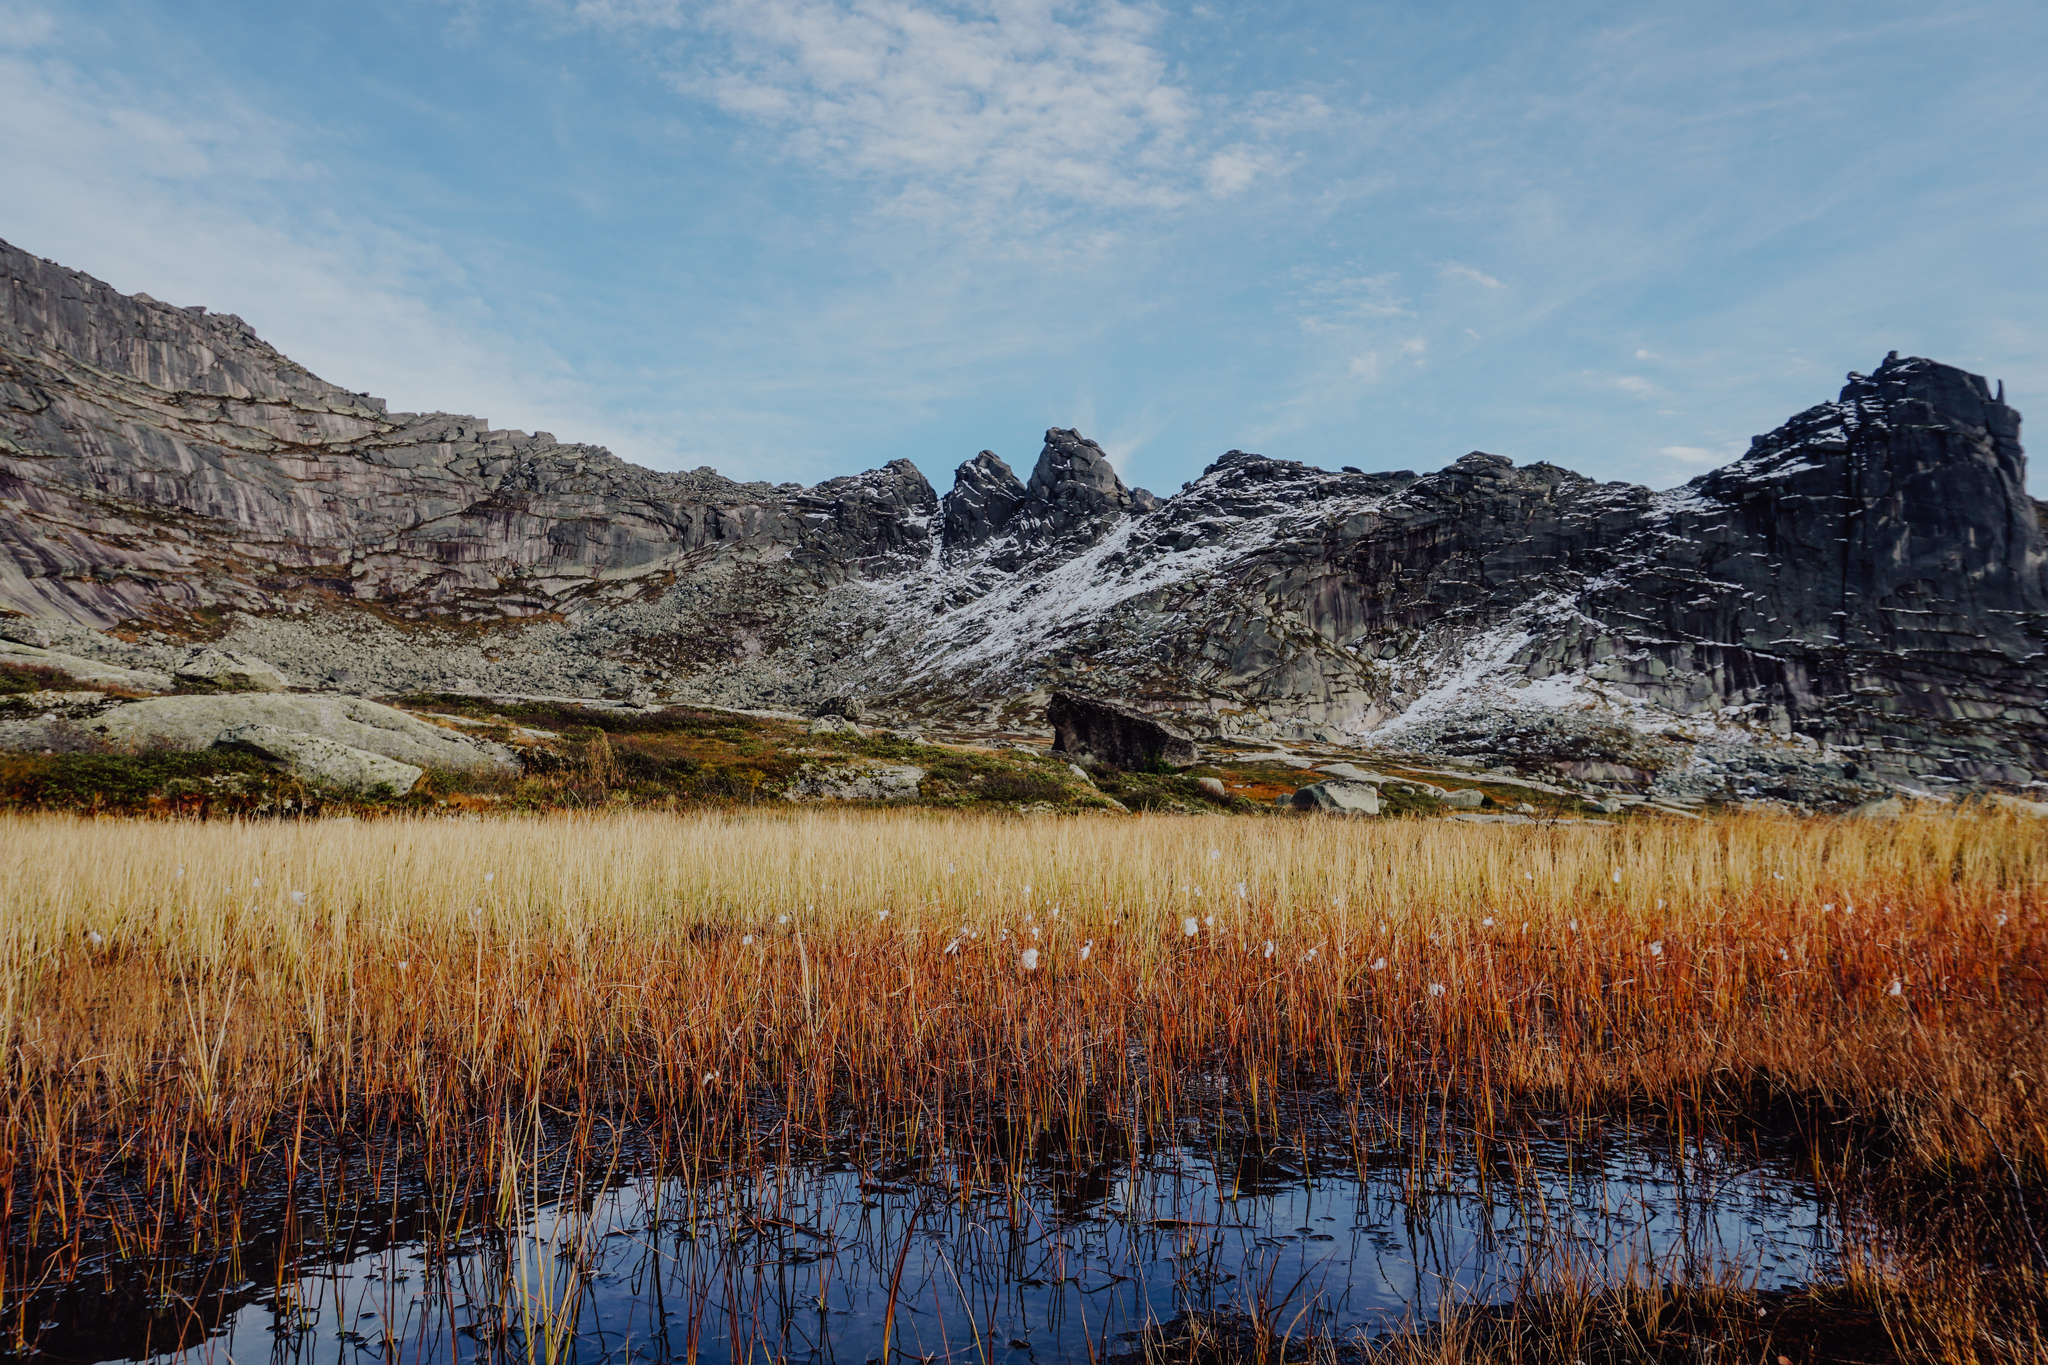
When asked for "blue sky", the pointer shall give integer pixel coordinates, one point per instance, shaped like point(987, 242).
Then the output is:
point(797, 238)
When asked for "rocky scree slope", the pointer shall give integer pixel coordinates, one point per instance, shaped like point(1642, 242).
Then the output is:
point(1862, 593)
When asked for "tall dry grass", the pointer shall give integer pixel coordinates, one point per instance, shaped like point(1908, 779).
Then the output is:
point(182, 1003)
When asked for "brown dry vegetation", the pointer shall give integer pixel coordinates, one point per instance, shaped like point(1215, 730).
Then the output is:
point(185, 1005)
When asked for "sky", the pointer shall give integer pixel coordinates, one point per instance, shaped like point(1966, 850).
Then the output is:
point(793, 239)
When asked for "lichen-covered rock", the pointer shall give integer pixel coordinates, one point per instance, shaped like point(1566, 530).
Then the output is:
point(855, 782)
point(230, 671)
point(195, 722)
point(1465, 798)
point(1093, 727)
point(1339, 796)
point(85, 670)
point(320, 760)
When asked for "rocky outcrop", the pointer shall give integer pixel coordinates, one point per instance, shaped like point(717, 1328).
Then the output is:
point(323, 761)
point(1091, 727)
point(228, 670)
point(855, 782)
point(197, 722)
point(1337, 796)
point(1860, 597)
point(83, 669)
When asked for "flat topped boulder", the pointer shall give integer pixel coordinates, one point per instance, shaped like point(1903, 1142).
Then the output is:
point(322, 760)
point(230, 671)
point(1093, 727)
point(197, 722)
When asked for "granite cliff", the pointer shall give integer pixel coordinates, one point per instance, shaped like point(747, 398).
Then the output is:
point(1860, 597)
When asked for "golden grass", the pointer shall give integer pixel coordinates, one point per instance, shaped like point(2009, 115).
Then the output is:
point(180, 1002)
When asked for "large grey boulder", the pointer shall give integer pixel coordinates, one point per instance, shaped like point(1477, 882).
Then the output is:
point(83, 669)
point(322, 760)
point(230, 671)
point(196, 722)
point(855, 782)
point(1339, 796)
point(1465, 798)
point(1085, 726)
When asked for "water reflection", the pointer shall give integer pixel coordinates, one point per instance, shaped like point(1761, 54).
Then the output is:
point(822, 1262)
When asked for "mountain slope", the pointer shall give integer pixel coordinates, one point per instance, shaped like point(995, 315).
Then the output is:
point(1864, 589)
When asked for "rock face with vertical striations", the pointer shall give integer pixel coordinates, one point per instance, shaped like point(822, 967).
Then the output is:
point(1861, 596)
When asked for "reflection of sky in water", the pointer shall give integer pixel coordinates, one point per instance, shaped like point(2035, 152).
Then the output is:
point(801, 1266)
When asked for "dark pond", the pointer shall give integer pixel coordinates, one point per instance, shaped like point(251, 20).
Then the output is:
point(805, 1263)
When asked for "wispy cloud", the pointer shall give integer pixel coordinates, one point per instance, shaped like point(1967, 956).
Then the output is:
point(1693, 455)
point(1019, 105)
point(1454, 271)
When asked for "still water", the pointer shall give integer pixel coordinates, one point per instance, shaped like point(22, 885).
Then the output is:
point(821, 1262)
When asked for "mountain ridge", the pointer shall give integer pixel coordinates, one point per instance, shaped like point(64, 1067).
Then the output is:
point(1863, 590)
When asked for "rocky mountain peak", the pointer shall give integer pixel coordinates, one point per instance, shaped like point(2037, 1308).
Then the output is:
point(1865, 590)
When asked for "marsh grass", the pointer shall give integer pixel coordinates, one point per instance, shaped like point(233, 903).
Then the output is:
point(191, 1010)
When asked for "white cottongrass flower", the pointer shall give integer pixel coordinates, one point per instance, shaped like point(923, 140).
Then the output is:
point(1572, 925)
point(1488, 921)
point(1214, 854)
point(256, 881)
point(1030, 959)
point(95, 938)
point(1189, 927)
point(1617, 874)
point(1828, 909)
point(181, 870)
point(1269, 949)
point(1657, 948)
point(1208, 921)
point(1034, 931)
point(1779, 875)
point(1242, 894)
point(1898, 987)
point(488, 876)
point(1436, 988)
point(881, 915)
point(1379, 964)
point(1309, 956)
point(405, 966)
point(1027, 888)
point(1087, 948)
point(298, 898)
point(782, 919)
point(746, 940)
point(2001, 921)
point(710, 1078)
point(950, 868)
point(954, 946)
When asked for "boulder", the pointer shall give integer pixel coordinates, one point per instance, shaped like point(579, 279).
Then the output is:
point(1213, 786)
point(22, 631)
point(85, 670)
point(1354, 773)
point(2019, 805)
point(229, 671)
point(1084, 726)
point(1465, 798)
point(1885, 808)
point(1339, 796)
point(834, 725)
point(322, 760)
point(855, 782)
point(195, 722)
